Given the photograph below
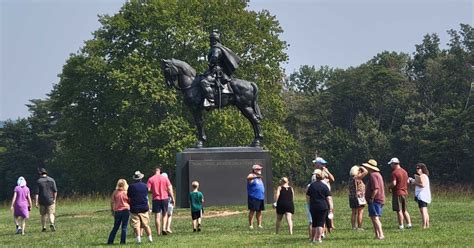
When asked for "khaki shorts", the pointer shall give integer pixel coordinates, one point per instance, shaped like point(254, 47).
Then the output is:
point(399, 203)
point(51, 209)
point(140, 220)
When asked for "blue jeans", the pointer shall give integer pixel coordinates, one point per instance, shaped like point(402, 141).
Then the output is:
point(120, 217)
point(375, 209)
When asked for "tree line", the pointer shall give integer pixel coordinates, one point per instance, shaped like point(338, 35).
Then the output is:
point(111, 113)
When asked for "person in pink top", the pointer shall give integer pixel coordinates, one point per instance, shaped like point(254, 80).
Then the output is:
point(21, 205)
point(120, 208)
point(161, 190)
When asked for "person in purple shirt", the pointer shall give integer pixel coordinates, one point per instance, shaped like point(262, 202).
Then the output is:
point(21, 205)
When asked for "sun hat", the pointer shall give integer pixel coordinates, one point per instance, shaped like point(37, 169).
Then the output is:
point(138, 175)
point(354, 170)
point(371, 164)
point(42, 171)
point(21, 182)
point(256, 167)
point(394, 160)
point(319, 160)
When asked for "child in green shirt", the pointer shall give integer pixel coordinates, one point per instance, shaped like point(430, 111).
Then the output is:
point(196, 199)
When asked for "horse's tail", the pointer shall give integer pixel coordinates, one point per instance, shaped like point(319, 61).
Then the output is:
point(255, 106)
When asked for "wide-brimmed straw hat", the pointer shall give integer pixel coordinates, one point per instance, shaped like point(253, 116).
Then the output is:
point(371, 164)
point(137, 175)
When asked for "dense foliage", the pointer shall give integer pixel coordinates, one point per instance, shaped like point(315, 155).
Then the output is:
point(112, 112)
point(416, 108)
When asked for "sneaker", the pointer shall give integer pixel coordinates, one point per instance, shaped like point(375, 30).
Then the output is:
point(409, 226)
point(53, 227)
point(169, 231)
point(164, 232)
point(44, 229)
point(250, 227)
point(260, 227)
point(194, 230)
point(199, 227)
point(18, 231)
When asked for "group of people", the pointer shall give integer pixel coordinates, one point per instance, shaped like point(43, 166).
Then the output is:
point(319, 205)
point(372, 194)
point(130, 202)
point(45, 192)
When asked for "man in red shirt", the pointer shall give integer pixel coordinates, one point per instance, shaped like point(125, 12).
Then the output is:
point(375, 196)
point(399, 188)
point(161, 190)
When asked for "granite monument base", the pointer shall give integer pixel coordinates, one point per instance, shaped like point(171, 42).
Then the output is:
point(221, 173)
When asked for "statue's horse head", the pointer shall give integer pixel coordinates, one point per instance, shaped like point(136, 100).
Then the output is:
point(177, 73)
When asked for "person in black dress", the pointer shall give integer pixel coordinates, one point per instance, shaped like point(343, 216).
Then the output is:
point(284, 204)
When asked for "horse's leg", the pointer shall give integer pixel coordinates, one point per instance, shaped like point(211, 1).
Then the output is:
point(199, 121)
point(249, 113)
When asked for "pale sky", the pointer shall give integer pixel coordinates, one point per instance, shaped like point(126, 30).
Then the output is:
point(38, 36)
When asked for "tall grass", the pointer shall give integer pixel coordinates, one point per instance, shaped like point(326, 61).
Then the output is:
point(87, 222)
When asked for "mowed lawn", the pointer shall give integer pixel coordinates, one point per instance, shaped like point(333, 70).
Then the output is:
point(87, 222)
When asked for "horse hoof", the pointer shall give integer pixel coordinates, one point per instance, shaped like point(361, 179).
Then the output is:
point(199, 144)
point(255, 143)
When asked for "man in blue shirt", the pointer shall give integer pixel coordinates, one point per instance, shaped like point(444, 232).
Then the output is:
point(256, 195)
point(138, 197)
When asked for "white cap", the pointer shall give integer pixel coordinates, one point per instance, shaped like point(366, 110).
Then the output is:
point(394, 160)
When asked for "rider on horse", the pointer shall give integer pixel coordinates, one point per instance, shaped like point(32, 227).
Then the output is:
point(222, 64)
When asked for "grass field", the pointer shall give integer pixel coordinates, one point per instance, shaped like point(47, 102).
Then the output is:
point(88, 222)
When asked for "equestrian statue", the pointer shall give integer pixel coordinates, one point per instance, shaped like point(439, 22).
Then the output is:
point(216, 88)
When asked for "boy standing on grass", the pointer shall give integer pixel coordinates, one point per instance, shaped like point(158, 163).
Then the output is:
point(196, 199)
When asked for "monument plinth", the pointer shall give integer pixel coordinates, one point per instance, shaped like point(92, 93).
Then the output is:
point(222, 173)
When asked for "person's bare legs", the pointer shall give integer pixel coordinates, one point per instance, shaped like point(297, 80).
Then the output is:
point(278, 223)
point(313, 234)
point(168, 224)
point(289, 219)
point(310, 231)
point(51, 219)
point(23, 225)
point(43, 221)
point(165, 220)
point(158, 223)
point(319, 234)
point(360, 217)
point(259, 218)
point(377, 227)
point(425, 217)
point(400, 218)
point(407, 218)
point(354, 218)
point(251, 215)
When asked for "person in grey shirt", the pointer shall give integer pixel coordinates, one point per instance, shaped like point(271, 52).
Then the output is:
point(45, 197)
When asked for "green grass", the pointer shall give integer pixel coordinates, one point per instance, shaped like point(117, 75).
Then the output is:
point(88, 222)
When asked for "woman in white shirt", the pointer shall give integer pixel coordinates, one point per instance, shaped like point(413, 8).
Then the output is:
point(422, 192)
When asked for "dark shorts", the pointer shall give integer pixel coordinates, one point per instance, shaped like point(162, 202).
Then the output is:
point(255, 204)
point(196, 215)
point(318, 217)
point(353, 203)
point(421, 204)
point(159, 206)
point(375, 209)
point(281, 210)
point(399, 203)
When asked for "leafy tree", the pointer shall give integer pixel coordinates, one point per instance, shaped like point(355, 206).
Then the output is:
point(116, 114)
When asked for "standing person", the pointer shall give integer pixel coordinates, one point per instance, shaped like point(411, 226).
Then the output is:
point(169, 213)
point(321, 164)
point(256, 195)
point(375, 196)
point(138, 197)
point(284, 203)
point(399, 188)
point(356, 192)
point(21, 205)
point(46, 194)
point(319, 198)
point(422, 192)
point(120, 208)
point(307, 208)
point(161, 190)
point(196, 200)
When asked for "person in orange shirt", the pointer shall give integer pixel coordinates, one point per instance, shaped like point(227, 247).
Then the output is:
point(120, 208)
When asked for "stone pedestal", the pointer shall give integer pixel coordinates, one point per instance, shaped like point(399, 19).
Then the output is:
point(221, 173)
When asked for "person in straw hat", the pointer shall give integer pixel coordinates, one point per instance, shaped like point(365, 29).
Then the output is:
point(375, 196)
point(138, 198)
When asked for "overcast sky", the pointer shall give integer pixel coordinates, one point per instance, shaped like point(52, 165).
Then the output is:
point(38, 36)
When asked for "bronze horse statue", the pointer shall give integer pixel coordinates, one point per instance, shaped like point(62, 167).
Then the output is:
point(183, 77)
